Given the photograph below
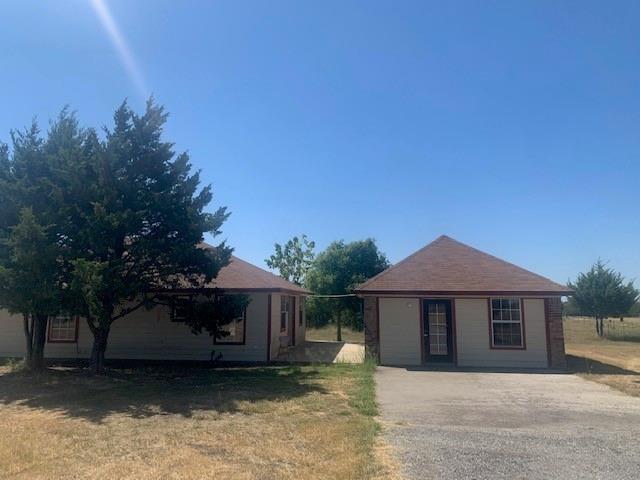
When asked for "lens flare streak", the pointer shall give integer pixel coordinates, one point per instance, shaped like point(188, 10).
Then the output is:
point(120, 44)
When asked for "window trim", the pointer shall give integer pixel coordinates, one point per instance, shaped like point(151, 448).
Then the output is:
point(523, 345)
point(287, 299)
point(173, 307)
point(244, 334)
point(301, 312)
point(50, 326)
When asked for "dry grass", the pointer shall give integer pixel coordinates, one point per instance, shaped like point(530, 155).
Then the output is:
point(329, 333)
point(247, 423)
point(608, 360)
point(583, 330)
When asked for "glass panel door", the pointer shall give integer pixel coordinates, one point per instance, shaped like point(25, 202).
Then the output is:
point(438, 343)
point(437, 329)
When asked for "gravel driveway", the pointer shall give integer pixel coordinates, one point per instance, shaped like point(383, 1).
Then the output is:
point(477, 425)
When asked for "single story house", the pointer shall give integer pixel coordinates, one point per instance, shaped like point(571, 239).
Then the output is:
point(273, 320)
point(450, 303)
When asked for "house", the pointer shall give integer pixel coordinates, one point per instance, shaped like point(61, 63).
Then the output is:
point(450, 303)
point(273, 320)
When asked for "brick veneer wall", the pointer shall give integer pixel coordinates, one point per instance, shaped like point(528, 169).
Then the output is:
point(553, 313)
point(371, 337)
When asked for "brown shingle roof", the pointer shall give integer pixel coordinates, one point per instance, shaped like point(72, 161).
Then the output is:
point(243, 276)
point(447, 266)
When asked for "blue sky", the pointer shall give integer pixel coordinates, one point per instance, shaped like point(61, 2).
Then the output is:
point(511, 126)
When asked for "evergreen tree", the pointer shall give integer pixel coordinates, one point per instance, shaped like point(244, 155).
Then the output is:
point(602, 292)
point(136, 223)
point(29, 282)
point(31, 254)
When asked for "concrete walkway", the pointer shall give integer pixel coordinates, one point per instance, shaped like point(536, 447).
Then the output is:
point(486, 425)
point(324, 352)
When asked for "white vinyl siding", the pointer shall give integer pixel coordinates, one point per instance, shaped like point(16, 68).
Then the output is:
point(149, 335)
point(474, 342)
point(12, 342)
point(400, 331)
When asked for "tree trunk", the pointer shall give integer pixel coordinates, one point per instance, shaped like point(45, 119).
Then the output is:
point(599, 326)
point(339, 327)
point(28, 336)
point(37, 336)
point(100, 337)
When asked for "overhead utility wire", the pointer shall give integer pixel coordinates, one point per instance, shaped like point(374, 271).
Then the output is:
point(333, 296)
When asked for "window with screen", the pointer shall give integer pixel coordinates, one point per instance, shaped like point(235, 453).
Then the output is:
point(180, 308)
point(63, 329)
point(506, 323)
point(285, 310)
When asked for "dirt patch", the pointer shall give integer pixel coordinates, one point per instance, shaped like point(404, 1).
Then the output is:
point(608, 361)
point(329, 333)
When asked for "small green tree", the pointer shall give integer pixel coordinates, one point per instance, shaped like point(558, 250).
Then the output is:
point(337, 271)
point(29, 282)
point(294, 260)
point(31, 253)
point(602, 292)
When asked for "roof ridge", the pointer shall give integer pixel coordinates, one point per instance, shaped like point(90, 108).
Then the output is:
point(450, 244)
point(258, 272)
point(392, 267)
point(278, 277)
point(505, 261)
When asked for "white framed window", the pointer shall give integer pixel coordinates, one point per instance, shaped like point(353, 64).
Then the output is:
point(235, 331)
point(63, 329)
point(506, 323)
point(181, 308)
point(301, 312)
point(285, 311)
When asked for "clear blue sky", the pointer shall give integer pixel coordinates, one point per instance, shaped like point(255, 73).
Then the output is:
point(511, 126)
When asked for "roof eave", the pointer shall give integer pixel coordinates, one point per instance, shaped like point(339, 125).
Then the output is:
point(455, 293)
point(239, 290)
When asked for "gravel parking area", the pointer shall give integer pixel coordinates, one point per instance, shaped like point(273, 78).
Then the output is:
point(480, 425)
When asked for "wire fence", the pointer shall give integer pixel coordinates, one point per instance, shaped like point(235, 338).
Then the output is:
point(584, 328)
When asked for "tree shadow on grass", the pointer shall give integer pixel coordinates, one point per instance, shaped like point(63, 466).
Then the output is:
point(634, 338)
point(576, 364)
point(149, 391)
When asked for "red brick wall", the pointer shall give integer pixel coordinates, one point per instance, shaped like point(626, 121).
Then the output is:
point(371, 338)
point(555, 334)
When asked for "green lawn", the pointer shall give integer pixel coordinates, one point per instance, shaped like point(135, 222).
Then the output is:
point(312, 422)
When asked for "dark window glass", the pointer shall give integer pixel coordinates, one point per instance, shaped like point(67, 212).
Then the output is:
point(181, 308)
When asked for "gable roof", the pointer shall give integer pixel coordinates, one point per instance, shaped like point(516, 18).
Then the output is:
point(240, 275)
point(446, 266)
